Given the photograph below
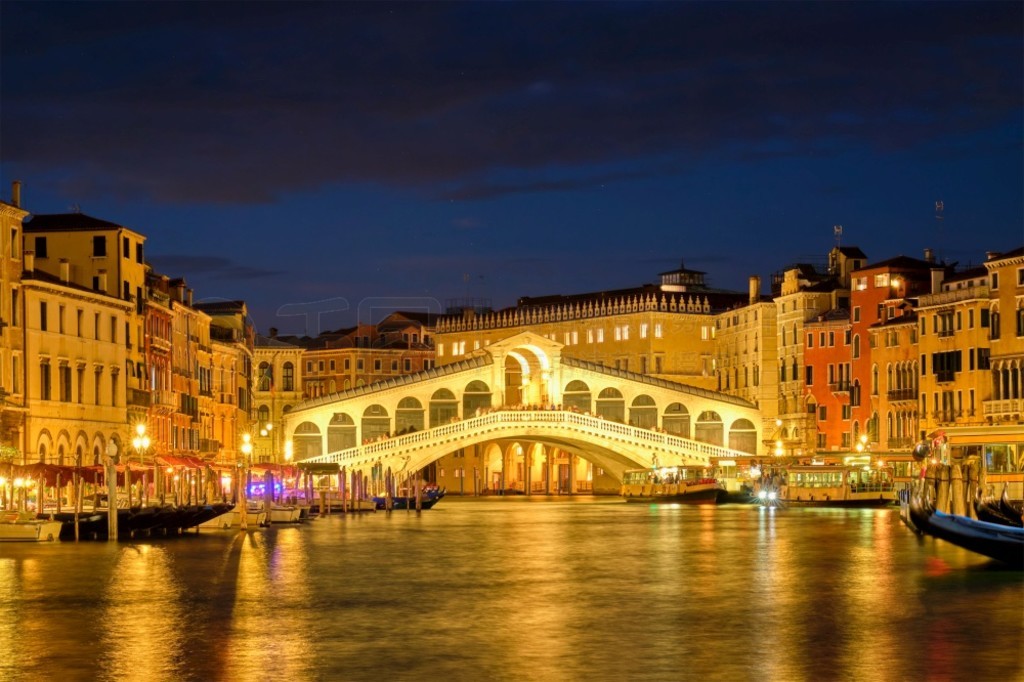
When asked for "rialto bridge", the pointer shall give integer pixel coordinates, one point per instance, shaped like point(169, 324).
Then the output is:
point(519, 396)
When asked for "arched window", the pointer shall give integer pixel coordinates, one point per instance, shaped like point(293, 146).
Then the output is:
point(288, 377)
point(265, 377)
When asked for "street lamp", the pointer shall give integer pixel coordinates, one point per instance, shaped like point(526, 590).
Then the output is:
point(267, 431)
point(863, 443)
point(141, 444)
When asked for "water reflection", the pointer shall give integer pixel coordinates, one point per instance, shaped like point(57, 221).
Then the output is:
point(518, 589)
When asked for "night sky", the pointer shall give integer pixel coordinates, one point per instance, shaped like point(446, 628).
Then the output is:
point(352, 158)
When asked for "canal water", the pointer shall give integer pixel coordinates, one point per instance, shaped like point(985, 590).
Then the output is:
point(518, 589)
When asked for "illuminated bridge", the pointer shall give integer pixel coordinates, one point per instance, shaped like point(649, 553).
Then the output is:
point(522, 390)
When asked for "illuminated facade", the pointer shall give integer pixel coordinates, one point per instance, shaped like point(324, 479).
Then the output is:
point(76, 394)
point(276, 390)
point(107, 258)
point(12, 355)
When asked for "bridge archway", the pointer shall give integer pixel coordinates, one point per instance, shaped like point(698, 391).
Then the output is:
point(376, 422)
point(341, 433)
point(643, 412)
point(611, 405)
point(444, 407)
point(709, 428)
point(307, 441)
point(743, 436)
point(576, 396)
point(676, 420)
point(409, 415)
point(475, 397)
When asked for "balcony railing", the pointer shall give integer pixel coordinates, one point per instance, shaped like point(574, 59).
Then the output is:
point(1003, 408)
point(901, 394)
point(839, 387)
point(138, 397)
point(945, 375)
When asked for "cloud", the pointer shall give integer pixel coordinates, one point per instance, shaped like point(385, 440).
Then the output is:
point(211, 267)
point(226, 106)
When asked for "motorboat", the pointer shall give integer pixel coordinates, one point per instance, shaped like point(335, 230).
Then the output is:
point(829, 486)
point(678, 484)
point(18, 526)
point(239, 516)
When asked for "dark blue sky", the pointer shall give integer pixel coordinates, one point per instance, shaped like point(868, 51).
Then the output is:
point(313, 157)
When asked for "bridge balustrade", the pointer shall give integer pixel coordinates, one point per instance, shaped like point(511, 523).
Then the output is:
point(394, 446)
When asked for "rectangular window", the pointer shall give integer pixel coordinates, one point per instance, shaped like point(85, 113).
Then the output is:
point(320, 366)
point(97, 381)
point(970, 318)
point(126, 248)
point(618, 333)
point(348, 361)
point(81, 384)
point(113, 329)
point(331, 365)
point(40, 247)
point(15, 320)
point(995, 280)
point(44, 380)
point(590, 336)
point(882, 280)
point(96, 326)
point(78, 322)
point(309, 366)
point(847, 411)
point(643, 330)
point(376, 365)
point(657, 364)
point(99, 246)
point(42, 315)
point(657, 330)
point(64, 372)
point(138, 253)
point(809, 375)
point(810, 340)
point(359, 364)
point(822, 413)
point(856, 314)
point(407, 365)
point(60, 318)
point(394, 365)
point(831, 339)
point(600, 335)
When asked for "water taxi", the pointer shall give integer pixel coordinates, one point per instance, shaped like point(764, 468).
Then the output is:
point(831, 486)
point(681, 485)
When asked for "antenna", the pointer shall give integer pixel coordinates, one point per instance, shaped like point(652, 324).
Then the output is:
point(940, 206)
point(837, 231)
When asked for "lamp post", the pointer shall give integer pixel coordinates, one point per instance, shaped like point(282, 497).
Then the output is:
point(267, 431)
point(141, 444)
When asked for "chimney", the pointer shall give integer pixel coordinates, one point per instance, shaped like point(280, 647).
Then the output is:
point(65, 270)
point(273, 332)
point(188, 297)
point(30, 261)
point(929, 255)
point(755, 289)
point(102, 276)
point(16, 194)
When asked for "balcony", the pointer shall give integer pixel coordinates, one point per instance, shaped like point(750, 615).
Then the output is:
point(944, 376)
point(163, 398)
point(138, 397)
point(209, 446)
point(839, 386)
point(902, 395)
point(1003, 409)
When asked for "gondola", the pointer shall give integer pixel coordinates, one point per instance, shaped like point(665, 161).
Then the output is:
point(995, 540)
point(998, 511)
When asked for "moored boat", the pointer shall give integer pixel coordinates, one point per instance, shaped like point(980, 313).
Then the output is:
point(18, 526)
point(830, 486)
point(994, 540)
point(429, 496)
point(681, 485)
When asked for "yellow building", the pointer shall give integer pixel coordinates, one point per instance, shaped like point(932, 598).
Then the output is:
point(77, 351)
point(233, 331)
point(665, 331)
point(276, 389)
point(746, 354)
point(1002, 443)
point(894, 382)
point(803, 293)
point(107, 258)
point(12, 356)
